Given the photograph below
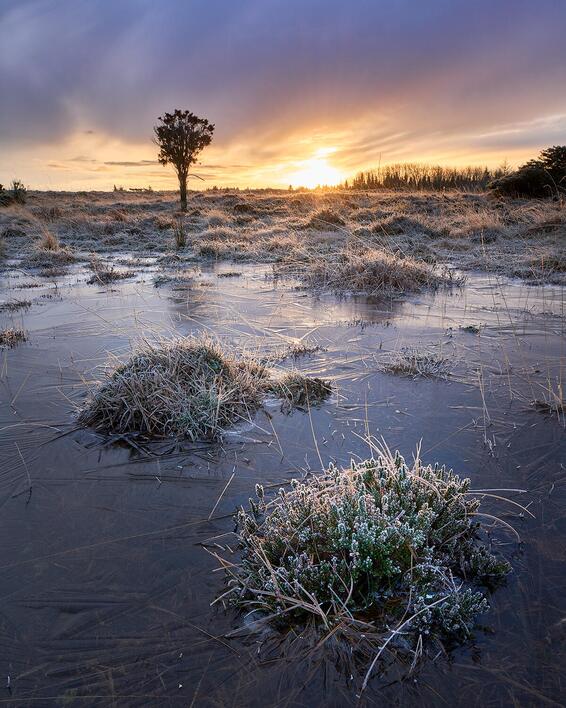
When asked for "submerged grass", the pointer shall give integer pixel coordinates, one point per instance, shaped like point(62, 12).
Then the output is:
point(176, 282)
point(297, 391)
point(552, 400)
point(102, 274)
point(11, 337)
point(383, 548)
point(190, 387)
point(295, 350)
point(417, 363)
point(15, 305)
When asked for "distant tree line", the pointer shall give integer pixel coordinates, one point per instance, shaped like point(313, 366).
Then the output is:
point(422, 177)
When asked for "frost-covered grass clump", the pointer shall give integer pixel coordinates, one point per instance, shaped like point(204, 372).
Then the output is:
point(369, 270)
point(417, 363)
point(12, 336)
point(190, 387)
point(103, 274)
point(384, 545)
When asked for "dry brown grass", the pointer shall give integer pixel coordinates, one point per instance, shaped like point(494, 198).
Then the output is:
point(49, 241)
point(103, 274)
point(179, 234)
point(369, 271)
point(551, 400)
point(470, 231)
point(10, 337)
point(192, 388)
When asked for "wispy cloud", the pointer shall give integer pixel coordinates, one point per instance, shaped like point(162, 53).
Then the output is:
point(131, 163)
point(397, 80)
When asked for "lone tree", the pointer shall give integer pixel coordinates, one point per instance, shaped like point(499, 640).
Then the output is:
point(180, 137)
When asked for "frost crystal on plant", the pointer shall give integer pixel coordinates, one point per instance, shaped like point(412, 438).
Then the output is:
point(381, 540)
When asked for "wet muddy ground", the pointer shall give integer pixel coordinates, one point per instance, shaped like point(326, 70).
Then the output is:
point(105, 588)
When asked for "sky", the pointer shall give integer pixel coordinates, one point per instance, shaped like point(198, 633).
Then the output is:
point(300, 91)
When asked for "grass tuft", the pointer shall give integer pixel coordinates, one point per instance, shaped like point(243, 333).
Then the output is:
point(15, 305)
point(191, 388)
point(102, 274)
point(179, 233)
point(325, 218)
point(372, 271)
point(417, 364)
point(217, 218)
point(49, 241)
point(552, 400)
point(296, 391)
point(11, 337)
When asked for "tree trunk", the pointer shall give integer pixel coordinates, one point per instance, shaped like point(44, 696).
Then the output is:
point(183, 190)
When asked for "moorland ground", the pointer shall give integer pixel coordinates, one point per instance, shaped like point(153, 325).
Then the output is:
point(327, 236)
point(111, 523)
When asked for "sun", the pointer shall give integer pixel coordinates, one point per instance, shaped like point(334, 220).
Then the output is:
point(315, 172)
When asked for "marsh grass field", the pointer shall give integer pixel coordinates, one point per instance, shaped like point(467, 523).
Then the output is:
point(431, 322)
point(324, 236)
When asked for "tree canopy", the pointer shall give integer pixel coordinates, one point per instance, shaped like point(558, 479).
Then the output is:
point(181, 136)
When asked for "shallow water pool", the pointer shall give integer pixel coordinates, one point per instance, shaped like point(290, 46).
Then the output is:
point(105, 590)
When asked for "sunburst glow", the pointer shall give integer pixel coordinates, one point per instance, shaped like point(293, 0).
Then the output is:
point(315, 172)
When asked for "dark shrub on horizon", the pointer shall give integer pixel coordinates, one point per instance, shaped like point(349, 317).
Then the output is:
point(17, 195)
point(542, 177)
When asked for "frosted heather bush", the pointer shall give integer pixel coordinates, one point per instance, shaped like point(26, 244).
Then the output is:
point(382, 541)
